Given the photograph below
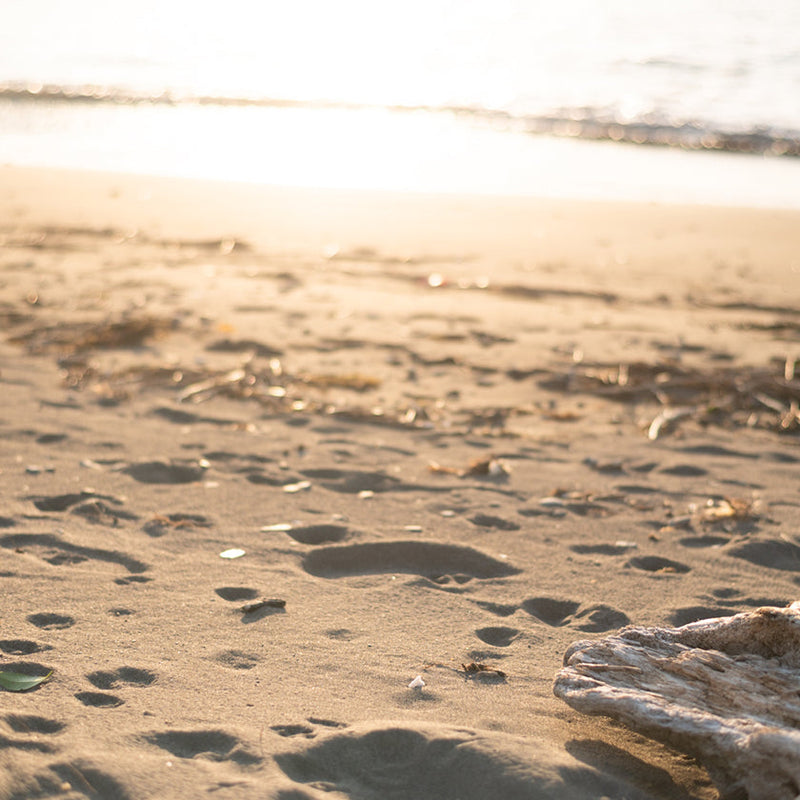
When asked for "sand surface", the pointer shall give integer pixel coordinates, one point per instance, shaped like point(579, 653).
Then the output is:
point(435, 426)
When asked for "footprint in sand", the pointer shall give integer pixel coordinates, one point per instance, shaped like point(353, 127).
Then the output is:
point(51, 438)
point(94, 783)
point(132, 579)
point(716, 450)
point(319, 534)
point(306, 731)
point(499, 636)
point(549, 610)
point(49, 621)
point(236, 459)
point(774, 553)
point(30, 723)
point(23, 647)
point(703, 541)
point(123, 676)
point(498, 523)
point(261, 478)
point(658, 565)
point(234, 593)
point(600, 549)
point(237, 659)
point(428, 559)
point(100, 513)
point(211, 744)
point(499, 609)
point(56, 551)
point(596, 618)
point(353, 481)
point(685, 471)
point(600, 618)
point(99, 699)
point(61, 502)
point(294, 730)
point(781, 457)
point(728, 597)
point(165, 472)
point(375, 761)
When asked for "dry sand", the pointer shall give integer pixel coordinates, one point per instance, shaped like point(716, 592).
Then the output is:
point(425, 422)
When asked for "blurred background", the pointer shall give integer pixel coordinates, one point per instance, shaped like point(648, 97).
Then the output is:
point(673, 101)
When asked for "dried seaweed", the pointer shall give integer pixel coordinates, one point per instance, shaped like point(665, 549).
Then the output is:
point(70, 338)
point(271, 386)
point(763, 397)
point(355, 381)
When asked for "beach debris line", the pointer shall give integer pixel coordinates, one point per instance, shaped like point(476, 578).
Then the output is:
point(733, 396)
point(723, 690)
point(18, 682)
point(271, 386)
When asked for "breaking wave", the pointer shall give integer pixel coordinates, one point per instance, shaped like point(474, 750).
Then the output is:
point(598, 124)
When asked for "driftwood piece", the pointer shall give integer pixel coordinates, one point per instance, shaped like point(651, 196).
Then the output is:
point(726, 691)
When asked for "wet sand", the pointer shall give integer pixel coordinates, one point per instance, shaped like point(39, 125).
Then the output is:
point(451, 436)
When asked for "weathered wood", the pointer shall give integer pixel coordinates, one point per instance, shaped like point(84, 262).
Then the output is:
point(726, 691)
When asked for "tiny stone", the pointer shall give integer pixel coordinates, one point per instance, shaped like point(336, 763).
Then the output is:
point(263, 602)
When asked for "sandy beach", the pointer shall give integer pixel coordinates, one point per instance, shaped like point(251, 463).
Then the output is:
point(270, 455)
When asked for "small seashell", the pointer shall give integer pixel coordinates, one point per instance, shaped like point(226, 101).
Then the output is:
point(280, 526)
point(417, 683)
point(234, 552)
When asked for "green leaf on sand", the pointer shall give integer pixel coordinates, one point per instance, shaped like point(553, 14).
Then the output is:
point(17, 682)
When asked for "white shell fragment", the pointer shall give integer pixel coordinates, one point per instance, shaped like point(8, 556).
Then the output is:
point(724, 690)
point(234, 552)
point(300, 486)
point(417, 683)
point(667, 419)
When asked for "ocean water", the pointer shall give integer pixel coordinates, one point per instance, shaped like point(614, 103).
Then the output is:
point(641, 99)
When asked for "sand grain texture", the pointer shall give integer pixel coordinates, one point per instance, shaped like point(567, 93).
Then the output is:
point(428, 423)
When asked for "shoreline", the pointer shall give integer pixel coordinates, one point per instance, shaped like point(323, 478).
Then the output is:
point(374, 149)
point(434, 425)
